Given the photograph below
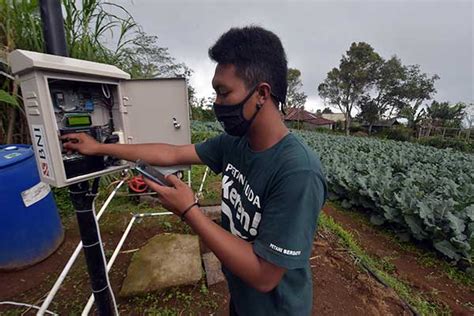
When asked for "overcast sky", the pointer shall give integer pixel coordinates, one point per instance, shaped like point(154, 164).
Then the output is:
point(437, 35)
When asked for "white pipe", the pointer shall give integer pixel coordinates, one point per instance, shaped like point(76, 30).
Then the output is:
point(189, 176)
point(71, 260)
point(202, 182)
point(26, 305)
point(90, 302)
point(111, 195)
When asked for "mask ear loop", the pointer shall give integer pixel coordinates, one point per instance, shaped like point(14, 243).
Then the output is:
point(279, 103)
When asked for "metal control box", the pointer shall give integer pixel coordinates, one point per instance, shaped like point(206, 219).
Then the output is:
point(66, 95)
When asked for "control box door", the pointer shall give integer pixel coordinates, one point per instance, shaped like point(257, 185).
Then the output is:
point(156, 111)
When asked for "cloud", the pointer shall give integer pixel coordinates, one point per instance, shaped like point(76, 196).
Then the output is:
point(437, 35)
point(314, 103)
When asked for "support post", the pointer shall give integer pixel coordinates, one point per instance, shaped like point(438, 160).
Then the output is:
point(53, 27)
point(82, 199)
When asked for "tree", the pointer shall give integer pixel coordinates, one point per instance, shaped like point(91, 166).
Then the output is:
point(369, 112)
point(98, 30)
point(327, 110)
point(387, 85)
point(446, 115)
point(345, 86)
point(145, 59)
point(201, 110)
point(294, 96)
point(416, 89)
point(469, 117)
point(399, 90)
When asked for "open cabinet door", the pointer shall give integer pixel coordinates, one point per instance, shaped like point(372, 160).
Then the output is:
point(156, 111)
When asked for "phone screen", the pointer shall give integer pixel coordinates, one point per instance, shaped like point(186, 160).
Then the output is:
point(151, 173)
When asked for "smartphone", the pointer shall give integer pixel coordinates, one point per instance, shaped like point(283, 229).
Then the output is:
point(151, 173)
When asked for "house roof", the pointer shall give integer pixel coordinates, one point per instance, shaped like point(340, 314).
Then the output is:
point(321, 121)
point(297, 114)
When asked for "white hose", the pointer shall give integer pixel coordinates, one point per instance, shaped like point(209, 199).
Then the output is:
point(25, 305)
point(202, 182)
point(73, 258)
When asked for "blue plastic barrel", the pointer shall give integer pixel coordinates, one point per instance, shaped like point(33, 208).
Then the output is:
point(30, 226)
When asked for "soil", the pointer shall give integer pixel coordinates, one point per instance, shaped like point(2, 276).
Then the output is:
point(340, 286)
point(432, 281)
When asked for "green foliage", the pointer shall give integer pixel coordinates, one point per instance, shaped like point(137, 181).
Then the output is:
point(327, 110)
point(356, 128)
point(20, 26)
point(379, 88)
point(369, 112)
point(439, 142)
point(144, 58)
point(446, 115)
point(201, 109)
point(399, 133)
point(7, 98)
point(96, 30)
point(294, 96)
point(63, 202)
point(423, 192)
point(346, 85)
point(209, 127)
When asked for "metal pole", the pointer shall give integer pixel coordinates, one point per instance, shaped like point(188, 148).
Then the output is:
point(82, 199)
point(73, 257)
point(53, 27)
point(88, 306)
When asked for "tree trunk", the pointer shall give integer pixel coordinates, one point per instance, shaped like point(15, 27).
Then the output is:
point(370, 128)
point(2, 130)
point(348, 124)
point(11, 112)
point(11, 117)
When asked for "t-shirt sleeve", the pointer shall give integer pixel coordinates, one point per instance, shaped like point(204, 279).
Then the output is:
point(289, 219)
point(211, 152)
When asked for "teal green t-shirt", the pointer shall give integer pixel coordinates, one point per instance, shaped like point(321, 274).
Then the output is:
point(271, 199)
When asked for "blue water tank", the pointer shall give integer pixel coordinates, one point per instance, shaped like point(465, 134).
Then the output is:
point(30, 226)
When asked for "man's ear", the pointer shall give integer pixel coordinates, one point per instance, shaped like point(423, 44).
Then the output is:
point(263, 92)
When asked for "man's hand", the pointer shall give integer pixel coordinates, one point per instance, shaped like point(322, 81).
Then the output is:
point(82, 143)
point(176, 198)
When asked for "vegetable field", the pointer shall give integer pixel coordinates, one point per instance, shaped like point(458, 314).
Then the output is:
point(424, 192)
point(421, 192)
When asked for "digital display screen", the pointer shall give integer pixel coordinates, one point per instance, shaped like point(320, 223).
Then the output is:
point(78, 120)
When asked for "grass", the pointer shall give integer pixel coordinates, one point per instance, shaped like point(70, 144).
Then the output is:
point(175, 300)
point(211, 193)
point(382, 268)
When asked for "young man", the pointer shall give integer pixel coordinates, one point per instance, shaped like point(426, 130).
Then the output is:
point(272, 184)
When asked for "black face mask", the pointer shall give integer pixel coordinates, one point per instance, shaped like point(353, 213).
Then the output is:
point(232, 117)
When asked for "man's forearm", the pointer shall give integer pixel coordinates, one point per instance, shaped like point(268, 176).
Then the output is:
point(235, 254)
point(154, 154)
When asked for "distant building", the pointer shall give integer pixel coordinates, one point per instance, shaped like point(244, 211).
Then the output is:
point(382, 124)
point(336, 117)
point(300, 118)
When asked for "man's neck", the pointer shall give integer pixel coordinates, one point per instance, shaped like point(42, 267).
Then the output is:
point(267, 129)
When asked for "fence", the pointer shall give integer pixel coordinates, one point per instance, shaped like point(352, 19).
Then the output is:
point(446, 132)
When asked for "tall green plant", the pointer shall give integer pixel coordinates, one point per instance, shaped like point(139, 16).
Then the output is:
point(96, 30)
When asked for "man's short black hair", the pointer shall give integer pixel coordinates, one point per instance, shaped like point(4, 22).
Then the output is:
point(257, 55)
